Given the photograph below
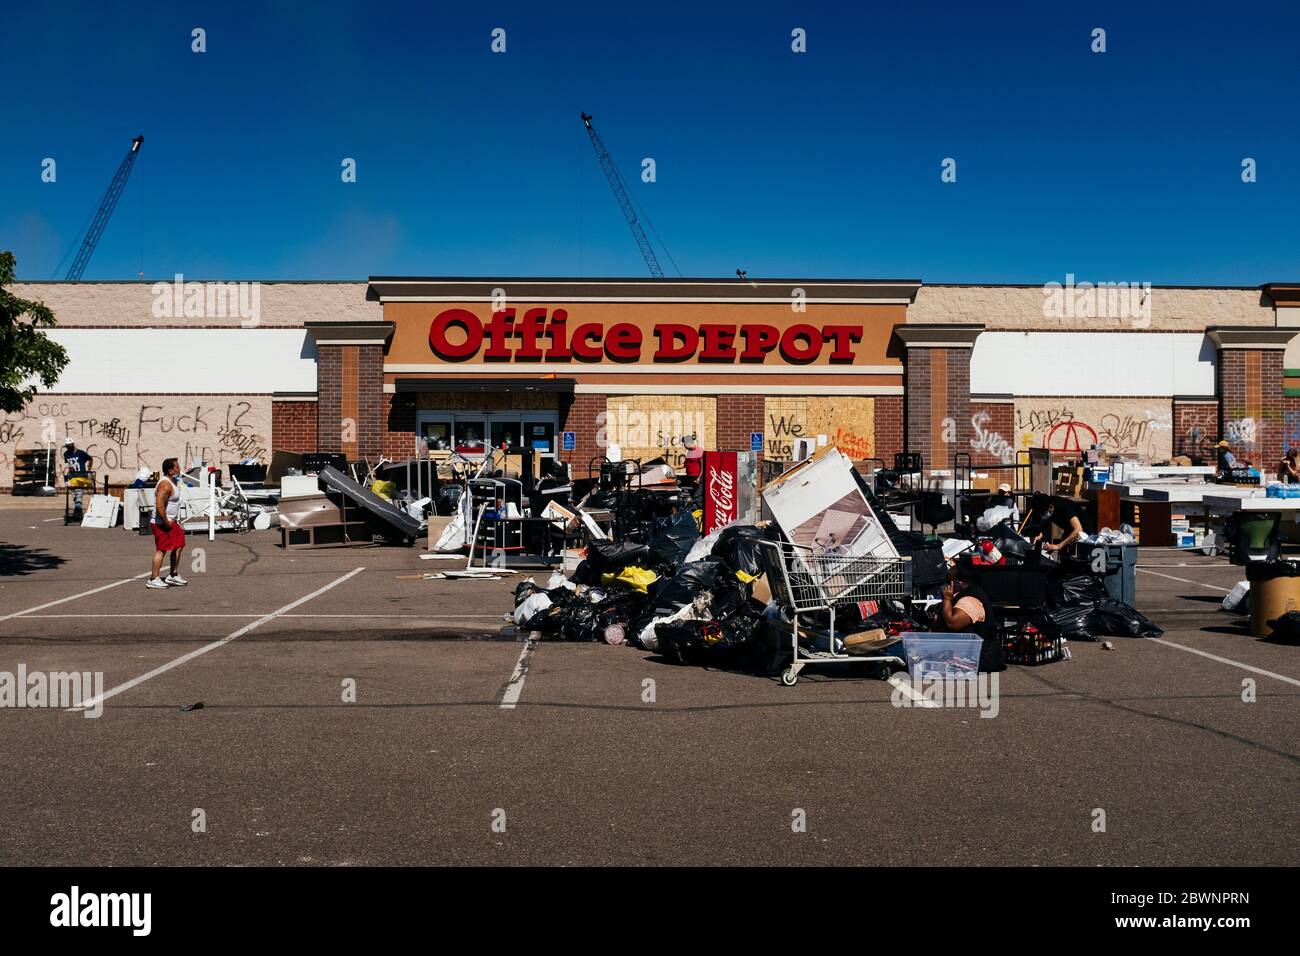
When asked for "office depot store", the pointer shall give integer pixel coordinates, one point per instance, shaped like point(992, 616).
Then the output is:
point(639, 365)
point(877, 367)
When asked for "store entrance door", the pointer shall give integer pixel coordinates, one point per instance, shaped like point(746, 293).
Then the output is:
point(471, 433)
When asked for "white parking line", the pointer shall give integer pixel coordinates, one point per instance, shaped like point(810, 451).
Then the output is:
point(73, 597)
point(919, 699)
point(418, 617)
point(1224, 660)
point(1199, 584)
point(136, 681)
point(515, 686)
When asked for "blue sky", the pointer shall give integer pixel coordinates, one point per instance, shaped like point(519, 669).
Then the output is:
point(1117, 166)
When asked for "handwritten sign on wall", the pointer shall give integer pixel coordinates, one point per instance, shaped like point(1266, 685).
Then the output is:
point(848, 422)
point(124, 433)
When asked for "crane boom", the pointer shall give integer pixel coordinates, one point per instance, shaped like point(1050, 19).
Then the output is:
point(620, 193)
point(105, 210)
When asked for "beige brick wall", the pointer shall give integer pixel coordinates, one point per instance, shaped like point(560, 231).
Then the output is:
point(282, 304)
point(1007, 307)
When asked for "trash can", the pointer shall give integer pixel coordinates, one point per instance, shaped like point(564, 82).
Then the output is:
point(1121, 568)
point(1274, 590)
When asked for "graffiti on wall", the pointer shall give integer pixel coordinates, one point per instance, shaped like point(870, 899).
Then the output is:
point(1139, 428)
point(990, 441)
point(123, 433)
point(848, 422)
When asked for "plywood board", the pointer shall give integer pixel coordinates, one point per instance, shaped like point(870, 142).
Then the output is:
point(650, 426)
point(847, 421)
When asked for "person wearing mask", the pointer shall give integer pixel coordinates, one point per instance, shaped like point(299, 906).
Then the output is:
point(76, 474)
point(1062, 513)
point(168, 536)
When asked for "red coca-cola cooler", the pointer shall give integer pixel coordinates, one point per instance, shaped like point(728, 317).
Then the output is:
point(728, 488)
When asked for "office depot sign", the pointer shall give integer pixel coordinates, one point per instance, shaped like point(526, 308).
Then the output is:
point(549, 335)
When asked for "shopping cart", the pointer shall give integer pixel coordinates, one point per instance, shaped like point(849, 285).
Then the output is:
point(805, 580)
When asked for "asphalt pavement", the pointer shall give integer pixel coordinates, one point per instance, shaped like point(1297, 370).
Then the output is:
point(353, 715)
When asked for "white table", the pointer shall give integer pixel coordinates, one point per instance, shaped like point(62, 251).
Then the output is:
point(1253, 504)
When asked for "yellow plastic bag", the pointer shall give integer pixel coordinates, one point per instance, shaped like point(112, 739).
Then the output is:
point(639, 578)
point(384, 489)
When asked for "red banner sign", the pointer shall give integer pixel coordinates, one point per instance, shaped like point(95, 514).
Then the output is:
point(721, 501)
point(542, 335)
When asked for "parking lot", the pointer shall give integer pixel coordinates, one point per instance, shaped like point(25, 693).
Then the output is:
point(459, 724)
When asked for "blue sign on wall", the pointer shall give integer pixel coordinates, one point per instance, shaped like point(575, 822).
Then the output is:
point(756, 441)
point(568, 440)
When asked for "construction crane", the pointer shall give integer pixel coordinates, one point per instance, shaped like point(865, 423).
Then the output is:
point(105, 210)
point(624, 202)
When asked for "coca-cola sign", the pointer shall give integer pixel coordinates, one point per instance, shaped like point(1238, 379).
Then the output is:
point(720, 505)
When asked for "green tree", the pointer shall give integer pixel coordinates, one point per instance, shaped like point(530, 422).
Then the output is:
point(25, 351)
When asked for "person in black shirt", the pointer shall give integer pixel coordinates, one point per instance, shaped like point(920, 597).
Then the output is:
point(76, 473)
point(1063, 513)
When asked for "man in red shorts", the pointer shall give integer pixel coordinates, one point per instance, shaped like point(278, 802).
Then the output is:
point(168, 536)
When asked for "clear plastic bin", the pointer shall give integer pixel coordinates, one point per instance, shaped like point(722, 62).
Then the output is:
point(932, 654)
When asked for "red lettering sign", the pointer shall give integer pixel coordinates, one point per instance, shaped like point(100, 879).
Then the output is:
point(457, 335)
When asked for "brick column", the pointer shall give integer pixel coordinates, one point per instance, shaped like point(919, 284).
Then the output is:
point(351, 410)
point(1250, 382)
point(936, 382)
point(738, 416)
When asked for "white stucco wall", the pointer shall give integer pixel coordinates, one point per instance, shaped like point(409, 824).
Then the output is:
point(196, 361)
point(1093, 363)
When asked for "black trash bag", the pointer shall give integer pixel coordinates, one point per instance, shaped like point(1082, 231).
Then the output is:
point(737, 548)
point(1116, 619)
point(524, 590)
point(1286, 629)
point(673, 537)
point(1268, 570)
point(681, 642)
point(579, 622)
point(583, 574)
point(1072, 623)
point(611, 557)
point(561, 596)
point(1075, 590)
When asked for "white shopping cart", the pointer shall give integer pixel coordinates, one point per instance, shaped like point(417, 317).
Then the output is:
point(807, 579)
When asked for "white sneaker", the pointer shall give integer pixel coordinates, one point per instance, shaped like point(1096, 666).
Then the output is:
point(175, 581)
point(155, 583)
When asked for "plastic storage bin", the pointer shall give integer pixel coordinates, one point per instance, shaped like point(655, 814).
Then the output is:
point(933, 654)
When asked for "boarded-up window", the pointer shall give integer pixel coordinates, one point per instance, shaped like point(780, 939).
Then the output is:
point(651, 426)
point(848, 422)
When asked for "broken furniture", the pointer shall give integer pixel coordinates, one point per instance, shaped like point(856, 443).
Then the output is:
point(317, 521)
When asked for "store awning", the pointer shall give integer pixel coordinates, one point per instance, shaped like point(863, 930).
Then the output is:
point(483, 385)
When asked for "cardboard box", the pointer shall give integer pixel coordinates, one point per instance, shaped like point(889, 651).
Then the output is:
point(820, 506)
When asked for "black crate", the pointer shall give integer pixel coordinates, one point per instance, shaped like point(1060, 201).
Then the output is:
point(1032, 649)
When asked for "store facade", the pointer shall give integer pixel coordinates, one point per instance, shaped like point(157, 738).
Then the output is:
point(637, 365)
point(391, 365)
